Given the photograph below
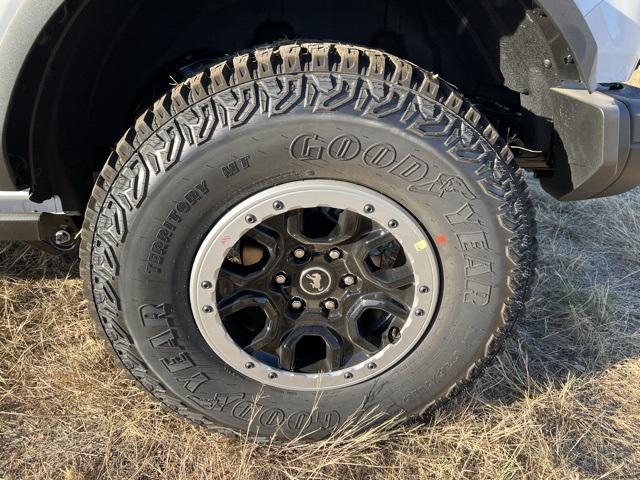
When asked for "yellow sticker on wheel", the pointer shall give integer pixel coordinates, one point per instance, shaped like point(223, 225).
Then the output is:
point(421, 245)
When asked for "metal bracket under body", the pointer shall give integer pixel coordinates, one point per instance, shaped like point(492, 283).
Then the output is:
point(23, 219)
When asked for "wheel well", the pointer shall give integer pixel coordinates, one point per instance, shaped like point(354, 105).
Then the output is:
point(98, 64)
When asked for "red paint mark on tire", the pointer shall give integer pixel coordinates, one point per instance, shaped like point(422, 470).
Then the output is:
point(441, 240)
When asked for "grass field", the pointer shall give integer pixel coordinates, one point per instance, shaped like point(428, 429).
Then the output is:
point(562, 401)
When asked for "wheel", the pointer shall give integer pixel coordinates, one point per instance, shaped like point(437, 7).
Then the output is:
point(304, 234)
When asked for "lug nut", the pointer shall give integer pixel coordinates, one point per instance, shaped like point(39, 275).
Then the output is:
point(349, 280)
point(348, 375)
point(296, 303)
point(206, 285)
point(250, 218)
point(272, 375)
point(330, 304)
point(424, 289)
point(335, 254)
point(207, 309)
point(393, 223)
point(368, 208)
point(278, 205)
point(280, 279)
point(299, 253)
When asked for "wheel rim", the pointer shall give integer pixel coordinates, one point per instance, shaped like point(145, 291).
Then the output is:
point(314, 285)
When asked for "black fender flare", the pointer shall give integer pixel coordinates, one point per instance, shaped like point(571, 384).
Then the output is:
point(572, 26)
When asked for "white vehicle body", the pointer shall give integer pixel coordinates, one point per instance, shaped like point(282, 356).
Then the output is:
point(615, 25)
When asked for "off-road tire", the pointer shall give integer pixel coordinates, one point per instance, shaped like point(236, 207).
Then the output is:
point(225, 134)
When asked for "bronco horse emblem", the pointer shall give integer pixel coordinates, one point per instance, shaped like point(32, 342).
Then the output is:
point(316, 281)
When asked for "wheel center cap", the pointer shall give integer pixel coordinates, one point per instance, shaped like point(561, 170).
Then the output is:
point(315, 281)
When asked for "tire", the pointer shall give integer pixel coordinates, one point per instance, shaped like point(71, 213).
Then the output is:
point(229, 133)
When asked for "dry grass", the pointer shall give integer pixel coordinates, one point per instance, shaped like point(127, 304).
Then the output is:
point(561, 402)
